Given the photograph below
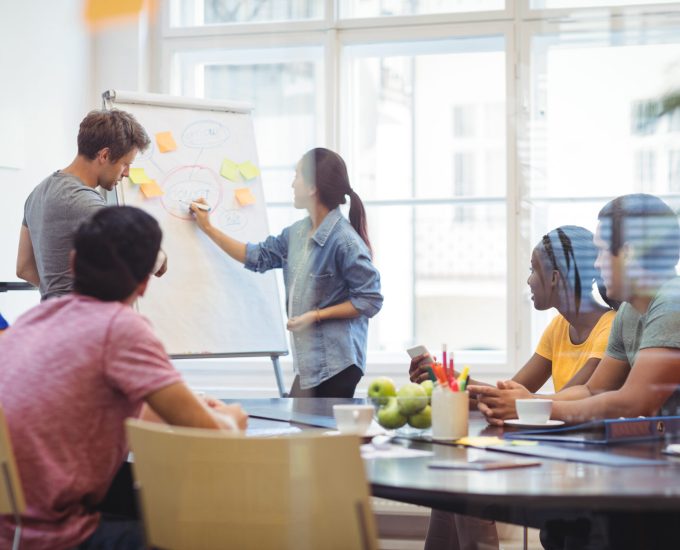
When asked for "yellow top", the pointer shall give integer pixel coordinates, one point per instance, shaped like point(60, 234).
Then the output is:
point(568, 358)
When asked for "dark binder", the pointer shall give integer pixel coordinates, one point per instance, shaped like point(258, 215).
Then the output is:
point(606, 432)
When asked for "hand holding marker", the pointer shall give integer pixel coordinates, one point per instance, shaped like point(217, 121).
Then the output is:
point(198, 205)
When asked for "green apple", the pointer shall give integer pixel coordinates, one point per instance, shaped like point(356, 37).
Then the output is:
point(422, 420)
point(380, 389)
point(412, 398)
point(389, 416)
point(428, 385)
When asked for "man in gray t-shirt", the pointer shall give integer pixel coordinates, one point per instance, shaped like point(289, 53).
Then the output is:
point(108, 142)
point(658, 327)
point(52, 213)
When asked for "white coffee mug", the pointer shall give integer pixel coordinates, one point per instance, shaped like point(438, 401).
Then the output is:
point(533, 411)
point(353, 419)
point(449, 414)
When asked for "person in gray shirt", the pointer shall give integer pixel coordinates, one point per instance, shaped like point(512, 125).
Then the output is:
point(108, 142)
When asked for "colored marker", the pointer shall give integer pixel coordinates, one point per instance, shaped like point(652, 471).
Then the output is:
point(198, 205)
point(462, 379)
point(465, 382)
point(430, 372)
point(444, 357)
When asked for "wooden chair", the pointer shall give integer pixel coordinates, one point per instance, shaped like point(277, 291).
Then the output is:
point(202, 490)
point(11, 495)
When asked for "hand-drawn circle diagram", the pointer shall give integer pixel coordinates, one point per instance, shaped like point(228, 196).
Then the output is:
point(204, 134)
point(186, 184)
point(231, 220)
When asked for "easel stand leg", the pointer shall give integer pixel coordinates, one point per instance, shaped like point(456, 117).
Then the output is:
point(279, 376)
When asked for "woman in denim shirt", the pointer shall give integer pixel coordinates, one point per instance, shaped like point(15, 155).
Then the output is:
point(332, 286)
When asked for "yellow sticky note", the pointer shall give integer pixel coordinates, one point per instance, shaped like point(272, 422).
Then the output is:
point(165, 142)
point(229, 170)
point(480, 441)
point(248, 170)
point(138, 175)
point(244, 196)
point(151, 189)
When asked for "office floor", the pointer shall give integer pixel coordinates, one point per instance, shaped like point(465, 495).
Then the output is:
point(404, 526)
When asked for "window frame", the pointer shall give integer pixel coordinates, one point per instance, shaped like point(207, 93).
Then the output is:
point(517, 23)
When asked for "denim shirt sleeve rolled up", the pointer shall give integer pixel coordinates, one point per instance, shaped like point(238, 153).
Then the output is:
point(327, 268)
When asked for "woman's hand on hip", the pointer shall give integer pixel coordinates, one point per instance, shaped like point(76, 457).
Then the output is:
point(301, 322)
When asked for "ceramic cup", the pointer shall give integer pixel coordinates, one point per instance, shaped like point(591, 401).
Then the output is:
point(353, 419)
point(533, 411)
point(449, 414)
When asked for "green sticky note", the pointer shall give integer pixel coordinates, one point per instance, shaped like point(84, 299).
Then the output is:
point(229, 170)
point(138, 176)
point(248, 170)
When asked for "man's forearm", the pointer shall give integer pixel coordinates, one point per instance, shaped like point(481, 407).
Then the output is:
point(604, 405)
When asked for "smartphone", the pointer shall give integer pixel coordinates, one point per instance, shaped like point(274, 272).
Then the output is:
point(481, 464)
point(418, 350)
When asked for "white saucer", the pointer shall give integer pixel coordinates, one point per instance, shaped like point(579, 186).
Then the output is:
point(548, 424)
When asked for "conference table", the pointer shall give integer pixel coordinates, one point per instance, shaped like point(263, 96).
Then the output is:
point(531, 496)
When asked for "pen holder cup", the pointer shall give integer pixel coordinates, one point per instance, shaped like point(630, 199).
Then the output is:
point(449, 414)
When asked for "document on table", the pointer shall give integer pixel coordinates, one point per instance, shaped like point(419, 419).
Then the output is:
point(369, 452)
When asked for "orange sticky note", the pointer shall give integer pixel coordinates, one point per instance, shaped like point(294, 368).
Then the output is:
point(244, 196)
point(165, 142)
point(103, 11)
point(248, 170)
point(151, 189)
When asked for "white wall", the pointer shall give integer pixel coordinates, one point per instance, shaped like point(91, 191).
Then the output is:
point(45, 92)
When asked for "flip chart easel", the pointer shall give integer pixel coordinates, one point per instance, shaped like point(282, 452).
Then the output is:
point(206, 305)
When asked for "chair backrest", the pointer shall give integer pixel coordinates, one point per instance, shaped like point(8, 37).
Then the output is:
point(201, 490)
point(11, 495)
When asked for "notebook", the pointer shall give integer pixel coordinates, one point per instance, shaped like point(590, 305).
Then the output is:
point(606, 432)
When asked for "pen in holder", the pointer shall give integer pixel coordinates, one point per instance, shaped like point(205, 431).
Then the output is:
point(449, 414)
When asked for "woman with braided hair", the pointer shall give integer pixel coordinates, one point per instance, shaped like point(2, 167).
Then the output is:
point(332, 286)
point(561, 276)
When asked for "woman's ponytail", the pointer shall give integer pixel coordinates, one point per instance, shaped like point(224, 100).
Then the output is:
point(357, 217)
point(326, 170)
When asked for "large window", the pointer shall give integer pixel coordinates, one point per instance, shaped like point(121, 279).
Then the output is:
point(426, 128)
point(210, 12)
point(377, 8)
point(286, 86)
point(588, 142)
point(470, 128)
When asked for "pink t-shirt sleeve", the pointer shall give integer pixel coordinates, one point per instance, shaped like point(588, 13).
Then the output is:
point(135, 361)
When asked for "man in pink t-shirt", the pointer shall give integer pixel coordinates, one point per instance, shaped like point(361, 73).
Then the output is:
point(73, 369)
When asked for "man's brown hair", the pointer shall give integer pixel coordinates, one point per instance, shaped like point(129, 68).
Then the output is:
point(117, 130)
